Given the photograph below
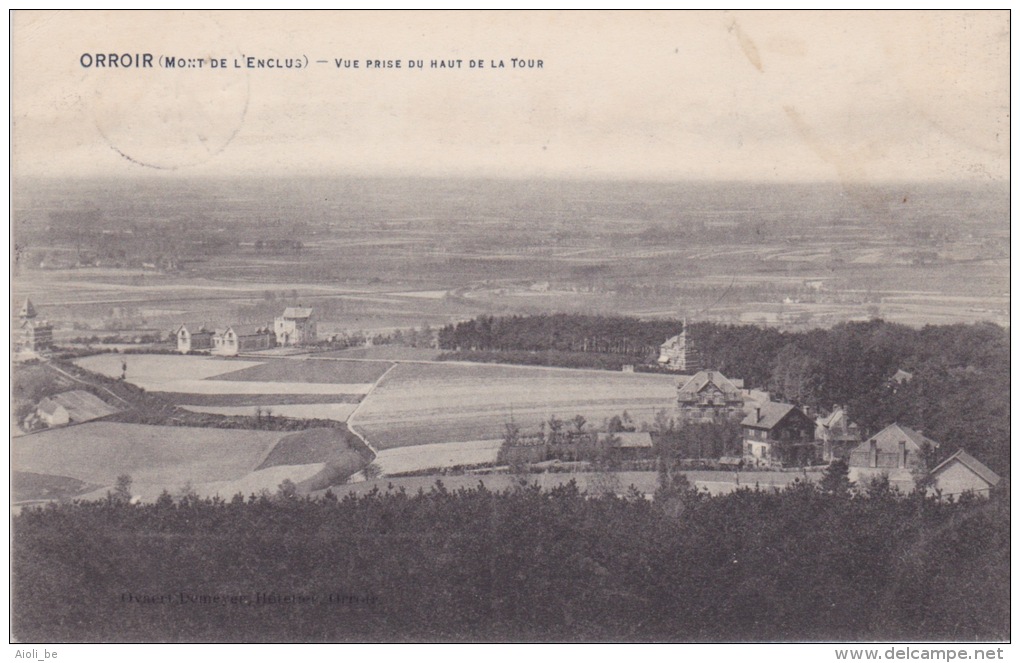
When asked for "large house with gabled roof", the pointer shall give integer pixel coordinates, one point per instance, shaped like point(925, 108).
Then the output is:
point(778, 434)
point(709, 396)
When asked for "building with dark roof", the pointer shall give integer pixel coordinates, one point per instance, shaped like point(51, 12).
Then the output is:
point(778, 434)
point(631, 445)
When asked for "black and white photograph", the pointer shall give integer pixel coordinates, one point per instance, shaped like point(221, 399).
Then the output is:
point(683, 327)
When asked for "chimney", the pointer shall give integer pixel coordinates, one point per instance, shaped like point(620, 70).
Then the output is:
point(757, 414)
point(873, 455)
point(901, 457)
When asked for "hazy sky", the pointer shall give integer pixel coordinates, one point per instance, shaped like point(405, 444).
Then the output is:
point(851, 97)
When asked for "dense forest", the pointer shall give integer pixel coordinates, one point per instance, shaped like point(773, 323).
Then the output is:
point(567, 332)
point(809, 563)
point(958, 395)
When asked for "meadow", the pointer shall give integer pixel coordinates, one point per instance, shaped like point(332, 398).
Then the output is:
point(335, 411)
point(300, 388)
point(443, 454)
point(311, 371)
point(418, 404)
point(213, 461)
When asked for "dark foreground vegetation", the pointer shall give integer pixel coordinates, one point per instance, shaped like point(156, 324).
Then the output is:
point(810, 563)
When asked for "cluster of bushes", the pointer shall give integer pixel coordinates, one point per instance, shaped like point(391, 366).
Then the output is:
point(523, 564)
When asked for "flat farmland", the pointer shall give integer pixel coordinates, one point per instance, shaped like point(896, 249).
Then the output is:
point(168, 457)
point(457, 402)
point(443, 454)
point(311, 371)
point(335, 411)
point(164, 456)
point(384, 353)
point(161, 367)
point(329, 380)
point(263, 400)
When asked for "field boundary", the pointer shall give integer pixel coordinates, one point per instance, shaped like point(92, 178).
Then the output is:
point(350, 418)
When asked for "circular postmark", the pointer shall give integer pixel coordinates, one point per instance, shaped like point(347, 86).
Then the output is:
point(173, 117)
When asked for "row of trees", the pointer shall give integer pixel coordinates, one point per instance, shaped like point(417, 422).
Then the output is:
point(808, 563)
point(569, 332)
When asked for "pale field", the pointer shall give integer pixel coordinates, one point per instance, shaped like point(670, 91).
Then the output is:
point(269, 479)
point(210, 461)
point(255, 482)
point(161, 367)
point(458, 402)
point(183, 385)
point(187, 374)
point(165, 455)
point(335, 411)
point(426, 456)
point(422, 294)
point(431, 428)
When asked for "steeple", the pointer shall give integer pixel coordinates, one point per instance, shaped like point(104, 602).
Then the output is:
point(27, 311)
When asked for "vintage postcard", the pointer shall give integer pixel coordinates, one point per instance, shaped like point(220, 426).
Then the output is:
point(632, 326)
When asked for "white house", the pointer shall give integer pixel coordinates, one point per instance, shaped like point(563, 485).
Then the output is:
point(75, 407)
point(242, 338)
point(295, 327)
point(193, 337)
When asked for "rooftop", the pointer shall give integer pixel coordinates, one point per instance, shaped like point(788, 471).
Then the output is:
point(768, 415)
point(297, 312)
point(972, 464)
point(888, 439)
point(701, 379)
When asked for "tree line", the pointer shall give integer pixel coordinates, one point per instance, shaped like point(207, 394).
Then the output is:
point(807, 563)
point(566, 332)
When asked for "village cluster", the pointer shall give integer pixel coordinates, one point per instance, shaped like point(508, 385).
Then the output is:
point(296, 327)
point(774, 435)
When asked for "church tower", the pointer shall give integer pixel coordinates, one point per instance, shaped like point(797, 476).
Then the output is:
point(36, 334)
